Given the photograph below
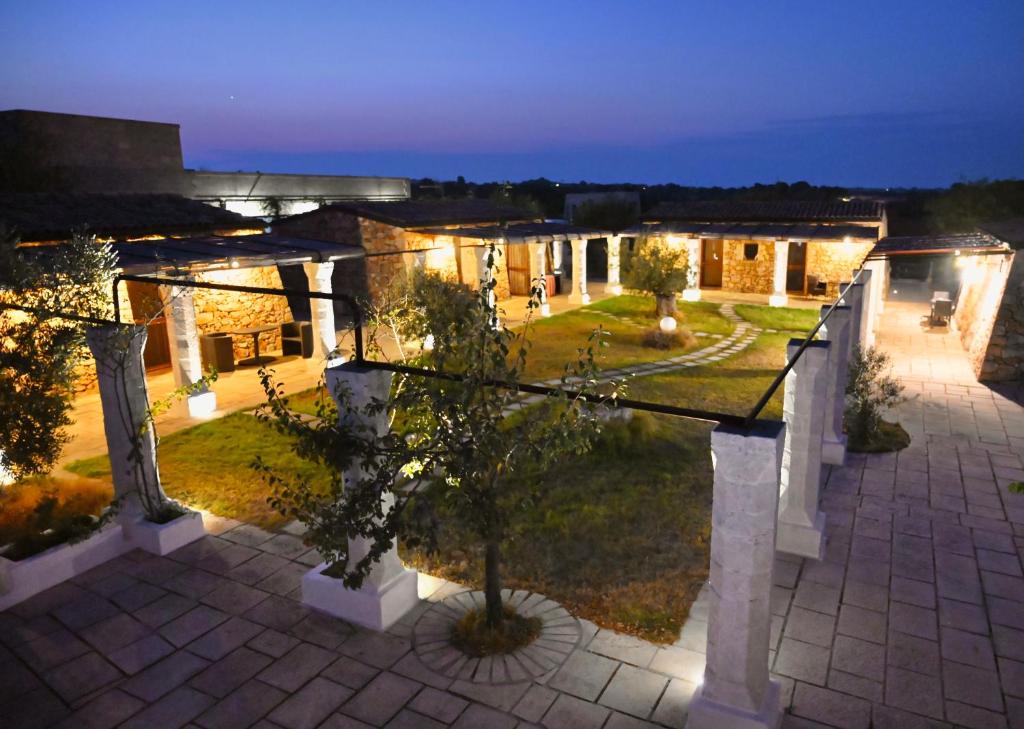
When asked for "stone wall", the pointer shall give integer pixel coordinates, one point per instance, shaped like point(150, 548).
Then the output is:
point(225, 311)
point(749, 277)
point(835, 261)
point(990, 316)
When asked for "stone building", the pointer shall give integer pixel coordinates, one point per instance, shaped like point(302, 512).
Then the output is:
point(774, 248)
point(452, 237)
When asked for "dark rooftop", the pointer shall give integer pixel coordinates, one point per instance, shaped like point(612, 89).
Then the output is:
point(783, 211)
point(53, 216)
point(208, 253)
point(908, 244)
point(522, 232)
point(427, 213)
point(758, 231)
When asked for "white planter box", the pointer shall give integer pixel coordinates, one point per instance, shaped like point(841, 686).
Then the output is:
point(371, 606)
point(161, 539)
point(25, 578)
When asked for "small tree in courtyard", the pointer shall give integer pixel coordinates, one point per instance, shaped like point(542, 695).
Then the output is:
point(39, 354)
point(455, 442)
point(658, 269)
point(870, 390)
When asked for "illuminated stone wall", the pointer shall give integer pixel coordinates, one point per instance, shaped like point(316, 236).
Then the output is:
point(835, 261)
point(748, 277)
point(225, 311)
point(990, 316)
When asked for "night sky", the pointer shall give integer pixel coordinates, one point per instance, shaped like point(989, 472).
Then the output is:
point(895, 93)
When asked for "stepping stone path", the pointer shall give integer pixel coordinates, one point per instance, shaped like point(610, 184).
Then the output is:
point(559, 636)
point(742, 336)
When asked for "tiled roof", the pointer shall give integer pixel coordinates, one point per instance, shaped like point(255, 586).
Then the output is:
point(935, 243)
point(783, 211)
point(758, 231)
point(426, 213)
point(522, 232)
point(53, 216)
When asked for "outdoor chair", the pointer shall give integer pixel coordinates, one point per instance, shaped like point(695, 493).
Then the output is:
point(297, 338)
point(218, 352)
point(942, 310)
point(815, 286)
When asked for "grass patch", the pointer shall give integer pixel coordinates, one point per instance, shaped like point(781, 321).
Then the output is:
point(472, 636)
point(42, 512)
point(779, 317)
point(731, 385)
point(207, 466)
point(556, 339)
point(697, 316)
point(889, 438)
point(621, 536)
point(309, 401)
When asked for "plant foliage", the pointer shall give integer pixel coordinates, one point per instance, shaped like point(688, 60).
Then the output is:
point(656, 268)
point(870, 390)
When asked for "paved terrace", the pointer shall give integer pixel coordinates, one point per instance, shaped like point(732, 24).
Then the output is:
point(914, 619)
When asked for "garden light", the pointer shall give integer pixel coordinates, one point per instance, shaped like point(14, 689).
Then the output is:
point(668, 324)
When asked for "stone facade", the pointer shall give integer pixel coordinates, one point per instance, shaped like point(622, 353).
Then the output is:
point(225, 311)
point(835, 261)
point(749, 277)
point(990, 316)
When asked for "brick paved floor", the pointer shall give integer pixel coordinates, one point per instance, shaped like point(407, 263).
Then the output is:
point(914, 619)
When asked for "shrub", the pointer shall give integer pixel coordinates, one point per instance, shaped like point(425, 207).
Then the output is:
point(870, 390)
point(39, 513)
point(658, 269)
point(668, 340)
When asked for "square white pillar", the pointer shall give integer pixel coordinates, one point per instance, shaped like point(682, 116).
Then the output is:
point(556, 256)
point(801, 523)
point(854, 298)
point(737, 691)
point(538, 274)
point(183, 336)
point(389, 591)
point(486, 261)
point(836, 331)
point(578, 294)
point(692, 290)
point(779, 297)
point(325, 337)
point(876, 283)
point(614, 285)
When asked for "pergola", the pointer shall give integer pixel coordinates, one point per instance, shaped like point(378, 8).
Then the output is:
point(538, 236)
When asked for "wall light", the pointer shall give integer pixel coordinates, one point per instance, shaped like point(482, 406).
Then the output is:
point(234, 264)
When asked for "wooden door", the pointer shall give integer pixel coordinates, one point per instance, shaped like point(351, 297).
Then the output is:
point(518, 256)
point(147, 308)
point(711, 263)
point(796, 268)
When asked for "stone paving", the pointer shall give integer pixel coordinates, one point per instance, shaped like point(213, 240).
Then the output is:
point(915, 618)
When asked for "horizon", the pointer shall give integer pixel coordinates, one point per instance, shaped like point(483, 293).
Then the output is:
point(921, 95)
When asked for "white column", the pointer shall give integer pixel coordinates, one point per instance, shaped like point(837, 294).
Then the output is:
point(186, 359)
point(389, 591)
point(578, 294)
point(801, 523)
point(867, 328)
point(692, 291)
point(876, 269)
point(836, 331)
point(325, 337)
point(121, 378)
point(538, 274)
point(737, 691)
point(614, 285)
point(779, 297)
point(556, 256)
point(855, 300)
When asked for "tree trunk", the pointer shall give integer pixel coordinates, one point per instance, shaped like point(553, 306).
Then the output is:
point(666, 304)
point(492, 584)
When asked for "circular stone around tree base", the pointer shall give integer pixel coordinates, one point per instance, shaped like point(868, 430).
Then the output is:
point(432, 639)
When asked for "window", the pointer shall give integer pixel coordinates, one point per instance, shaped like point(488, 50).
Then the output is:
point(750, 251)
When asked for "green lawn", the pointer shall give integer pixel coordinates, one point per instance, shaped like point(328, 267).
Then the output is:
point(779, 317)
point(697, 316)
point(208, 466)
point(308, 401)
point(732, 385)
point(555, 339)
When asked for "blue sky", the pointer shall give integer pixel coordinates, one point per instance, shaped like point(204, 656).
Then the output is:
point(904, 92)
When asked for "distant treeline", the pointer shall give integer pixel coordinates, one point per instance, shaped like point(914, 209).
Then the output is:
point(958, 208)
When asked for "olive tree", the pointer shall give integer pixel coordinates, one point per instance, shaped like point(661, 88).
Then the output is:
point(658, 269)
point(39, 353)
point(457, 438)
